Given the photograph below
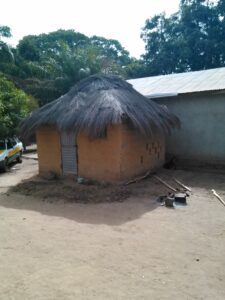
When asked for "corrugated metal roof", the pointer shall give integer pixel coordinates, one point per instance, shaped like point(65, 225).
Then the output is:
point(182, 83)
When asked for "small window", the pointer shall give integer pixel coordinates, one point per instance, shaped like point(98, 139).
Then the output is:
point(141, 159)
point(9, 144)
point(2, 144)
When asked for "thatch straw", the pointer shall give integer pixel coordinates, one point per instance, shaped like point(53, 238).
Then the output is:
point(97, 102)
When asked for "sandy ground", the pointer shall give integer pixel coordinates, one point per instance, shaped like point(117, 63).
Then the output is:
point(18, 172)
point(135, 249)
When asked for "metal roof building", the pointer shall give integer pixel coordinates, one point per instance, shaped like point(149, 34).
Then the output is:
point(198, 99)
point(182, 83)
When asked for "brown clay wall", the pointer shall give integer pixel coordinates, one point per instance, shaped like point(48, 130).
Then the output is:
point(100, 159)
point(49, 150)
point(139, 155)
point(122, 155)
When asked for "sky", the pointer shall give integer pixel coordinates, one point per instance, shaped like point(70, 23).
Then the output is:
point(114, 19)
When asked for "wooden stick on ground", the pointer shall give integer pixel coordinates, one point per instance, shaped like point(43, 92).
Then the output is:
point(138, 178)
point(218, 197)
point(166, 184)
point(181, 184)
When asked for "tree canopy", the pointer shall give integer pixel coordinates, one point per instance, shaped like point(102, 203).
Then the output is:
point(191, 39)
point(14, 106)
point(47, 65)
point(6, 54)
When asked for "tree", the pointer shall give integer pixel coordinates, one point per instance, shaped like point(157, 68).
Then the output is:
point(111, 55)
point(54, 62)
point(6, 54)
point(48, 65)
point(14, 106)
point(5, 31)
point(135, 69)
point(191, 39)
point(39, 47)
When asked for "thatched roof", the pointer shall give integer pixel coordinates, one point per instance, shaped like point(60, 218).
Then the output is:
point(97, 102)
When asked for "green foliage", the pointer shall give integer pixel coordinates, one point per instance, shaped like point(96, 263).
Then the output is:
point(14, 106)
point(54, 62)
point(110, 53)
point(191, 39)
point(48, 65)
point(44, 46)
point(27, 49)
point(136, 69)
point(5, 31)
point(6, 54)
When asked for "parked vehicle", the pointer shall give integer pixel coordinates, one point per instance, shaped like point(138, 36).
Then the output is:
point(11, 149)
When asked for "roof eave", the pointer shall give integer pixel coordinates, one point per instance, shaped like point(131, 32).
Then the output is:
point(161, 95)
point(170, 95)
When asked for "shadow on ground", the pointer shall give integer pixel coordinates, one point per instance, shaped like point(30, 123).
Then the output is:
point(110, 205)
point(10, 167)
point(113, 214)
point(93, 204)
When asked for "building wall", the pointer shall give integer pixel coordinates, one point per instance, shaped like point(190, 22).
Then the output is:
point(139, 155)
point(121, 156)
point(201, 139)
point(49, 150)
point(100, 159)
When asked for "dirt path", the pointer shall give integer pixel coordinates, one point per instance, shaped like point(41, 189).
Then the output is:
point(130, 250)
point(18, 172)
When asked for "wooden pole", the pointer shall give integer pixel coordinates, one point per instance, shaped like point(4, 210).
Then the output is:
point(218, 197)
point(138, 178)
point(181, 184)
point(166, 184)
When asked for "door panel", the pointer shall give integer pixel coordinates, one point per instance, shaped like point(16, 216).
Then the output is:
point(69, 155)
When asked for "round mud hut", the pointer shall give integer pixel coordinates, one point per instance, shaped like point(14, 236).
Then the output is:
point(102, 129)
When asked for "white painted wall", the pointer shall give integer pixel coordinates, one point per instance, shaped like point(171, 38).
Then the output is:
point(202, 134)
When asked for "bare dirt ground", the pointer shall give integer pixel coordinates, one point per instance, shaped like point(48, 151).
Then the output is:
point(135, 249)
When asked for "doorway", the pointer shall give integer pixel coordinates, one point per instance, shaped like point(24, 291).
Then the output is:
point(69, 152)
